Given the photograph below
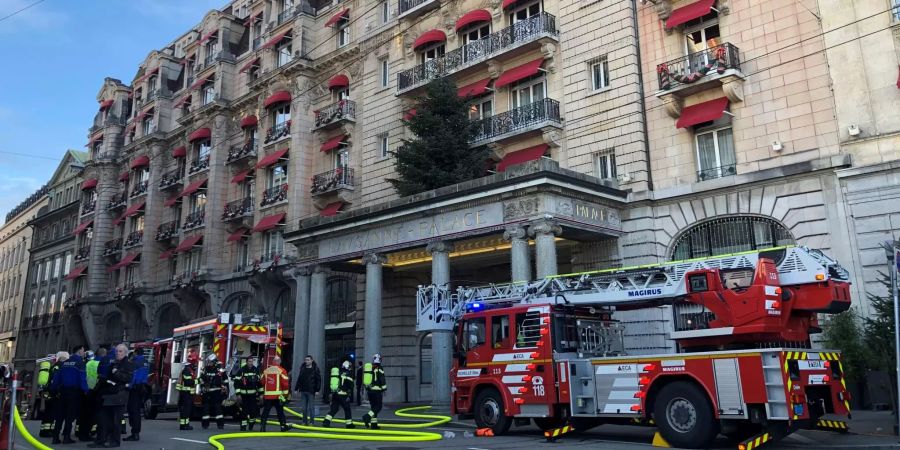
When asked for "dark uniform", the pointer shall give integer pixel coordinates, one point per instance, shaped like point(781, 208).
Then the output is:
point(212, 384)
point(376, 394)
point(136, 392)
point(48, 396)
point(249, 387)
point(185, 387)
point(340, 397)
point(114, 395)
point(70, 382)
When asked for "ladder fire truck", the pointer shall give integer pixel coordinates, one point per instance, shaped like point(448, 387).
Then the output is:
point(552, 350)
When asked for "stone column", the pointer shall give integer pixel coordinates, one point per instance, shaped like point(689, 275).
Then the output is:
point(520, 254)
point(544, 232)
point(441, 340)
point(374, 287)
point(301, 277)
point(316, 343)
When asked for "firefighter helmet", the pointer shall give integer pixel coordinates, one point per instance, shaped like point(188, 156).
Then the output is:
point(211, 357)
point(346, 365)
point(376, 359)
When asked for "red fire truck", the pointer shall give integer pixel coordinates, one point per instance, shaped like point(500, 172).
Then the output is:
point(553, 350)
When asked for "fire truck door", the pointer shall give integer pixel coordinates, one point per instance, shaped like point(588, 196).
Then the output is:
point(473, 342)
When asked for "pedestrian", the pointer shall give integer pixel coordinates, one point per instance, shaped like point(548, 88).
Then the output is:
point(277, 387)
point(136, 392)
point(376, 384)
point(309, 381)
point(359, 383)
point(186, 386)
point(341, 384)
point(70, 381)
point(114, 397)
point(86, 418)
point(212, 383)
point(249, 386)
point(46, 371)
point(102, 357)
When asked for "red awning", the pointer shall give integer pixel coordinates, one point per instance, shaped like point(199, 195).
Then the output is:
point(171, 201)
point(251, 63)
point(275, 40)
point(183, 100)
point(143, 114)
point(272, 158)
point(331, 209)
point(479, 15)
point(241, 233)
point(179, 152)
point(193, 187)
point(429, 37)
point(409, 114)
point(475, 89)
point(166, 255)
point(249, 121)
point(521, 156)
point(146, 75)
point(240, 177)
point(89, 184)
point(188, 59)
point(119, 220)
point(94, 139)
point(76, 272)
point(82, 226)
point(188, 243)
point(277, 97)
point(333, 143)
point(898, 79)
point(702, 112)
point(124, 176)
point(510, 3)
point(133, 209)
point(254, 18)
point(106, 104)
point(518, 73)
point(689, 12)
point(202, 81)
point(140, 161)
point(128, 259)
point(200, 133)
point(345, 14)
point(129, 128)
point(269, 222)
point(338, 81)
point(209, 35)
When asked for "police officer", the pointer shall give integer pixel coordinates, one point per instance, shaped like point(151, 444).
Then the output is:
point(136, 391)
point(341, 384)
point(249, 387)
point(46, 370)
point(277, 387)
point(70, 381)
point(114, 395)
point(212, 383)
point(376, 384)
point(86, 417)
point(186, 385)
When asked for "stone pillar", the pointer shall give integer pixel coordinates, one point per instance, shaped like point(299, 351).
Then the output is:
point(316, 343)
point(441, 340)
point(374, 286)
point(520, 254)
point(544, 232)
point(302, 280)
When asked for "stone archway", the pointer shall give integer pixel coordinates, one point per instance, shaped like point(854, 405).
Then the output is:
point(112, 328)
point(168, 318)
point(283, 309)
point(240, 303)
point(729, 234)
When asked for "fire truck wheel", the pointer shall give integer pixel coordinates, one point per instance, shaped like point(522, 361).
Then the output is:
point(684, 416)
point(150, 411)
point(489, 412)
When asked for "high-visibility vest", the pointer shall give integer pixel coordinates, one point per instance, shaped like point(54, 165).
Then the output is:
point(277, 384)
point(187, 382)
point(91, 369)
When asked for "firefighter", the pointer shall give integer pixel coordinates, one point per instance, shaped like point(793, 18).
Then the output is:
point(277, 387)
point(212, 384)
point(376, 384)
point(341, 384)
point(136, 391)
point(187, 382)
point(46, 373)
point(70, 383)
point(249, 387)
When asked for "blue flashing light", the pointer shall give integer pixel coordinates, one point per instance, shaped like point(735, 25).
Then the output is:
point(476, 306)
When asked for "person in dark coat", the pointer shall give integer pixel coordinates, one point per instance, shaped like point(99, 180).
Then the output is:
point(359, 384)
point(137, 390)
point(71, 383)
point(309, 381)
point(114, 397)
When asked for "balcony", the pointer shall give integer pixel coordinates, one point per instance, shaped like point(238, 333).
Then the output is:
point(521, 120)
point(696, 71)
point(167, 231)
point(195, 219)
point(333, 180)
point(716, 172)
point(88, 207)
point(112, 247)
point(117, 201)
point(140, 188)
point(412, 8)
point(334, 114)
point(238, 209)
point(199, 164)
point(285, 16)
point(134, 239)
point(239, 152)
point(278, 132)
point(274, 195)
point(170, 179)
point(527, 31)
point(83, 253)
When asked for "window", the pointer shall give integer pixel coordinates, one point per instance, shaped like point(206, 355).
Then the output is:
point(341, 157)
point(137, 223)
point(47, 271)
point(202, 149)
point(528, 327)
point(62, 300)
point(274, 244)
point(343, 32)
point(283, 50)
point(210, 50)
point(730, 235)
point(476, 33)
point(525, 11)
point(57, 265)
point(51, 308)
point(600, 74)
point(425, 359)
point(192, 262)
point(208, 92)
point(383, 145)
point(243, 247)
point(431, 53)
point(282, 114)
point(147, 126)
point(286, 5)
point(605, 164)
point(253, 73)
point(473, 333)
point(528, 92)
point(341, 94)
point(130, 274)
point(43, 305)
point(500, 331)
point(701, 35)
point(144, 175)
point(278, 175)
point(715, 154)
point(384, 72)
point(68, 266)
point(481, 108)
point(198, 202)
point(385, 12)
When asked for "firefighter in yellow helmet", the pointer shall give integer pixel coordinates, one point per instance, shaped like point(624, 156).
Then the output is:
point(376, 384)
point(341, 385)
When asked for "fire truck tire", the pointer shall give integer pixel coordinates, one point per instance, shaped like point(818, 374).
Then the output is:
point(150, 411)
point(489, 412)
point(684, 415)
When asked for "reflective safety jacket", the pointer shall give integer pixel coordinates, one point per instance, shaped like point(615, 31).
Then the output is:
point(213, 377)
point(187, 381)
point(248, 381)
point(91, 369)
point(276, 382)
point(379, 382)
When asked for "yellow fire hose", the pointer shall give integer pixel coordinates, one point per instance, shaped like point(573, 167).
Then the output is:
point(405, 412)
point(25, 434)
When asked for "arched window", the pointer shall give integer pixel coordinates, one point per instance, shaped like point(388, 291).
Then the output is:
point(284, 309)
point(169, 319)
point(425, 359)
point(239, 303)
point(341, 296)
point(730, 235)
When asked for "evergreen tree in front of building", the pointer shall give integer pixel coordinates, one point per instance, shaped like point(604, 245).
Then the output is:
point(440, 154)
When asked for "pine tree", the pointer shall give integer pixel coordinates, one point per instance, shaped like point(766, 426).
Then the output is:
point(439, 155)
point(844, 332)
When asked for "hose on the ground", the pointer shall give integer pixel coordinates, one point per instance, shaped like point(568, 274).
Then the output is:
point(404, 412)
point(25, 434)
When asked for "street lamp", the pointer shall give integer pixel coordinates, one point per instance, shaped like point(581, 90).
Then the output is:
point(892, 251)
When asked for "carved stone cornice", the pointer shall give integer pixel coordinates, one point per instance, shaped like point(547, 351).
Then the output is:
point(374, 258)
point(439, 247)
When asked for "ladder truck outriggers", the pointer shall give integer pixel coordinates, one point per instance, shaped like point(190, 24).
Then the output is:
point(552, 350)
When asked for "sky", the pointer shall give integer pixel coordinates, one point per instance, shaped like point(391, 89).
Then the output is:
point(55, 56)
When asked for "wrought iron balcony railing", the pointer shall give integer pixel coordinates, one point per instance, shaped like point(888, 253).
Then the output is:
point(171, 178)
point(112, 247)
point(274, 195)
point(716, 172)
point(167, 231)
point(140, 188)
point(117, 201)
point(88, 207)
point(330, 181)
point(133, 239)
point(195, 219)
point(83, 253)
point(336, 112)
point(278, 131)
point(285, 15)
point(697, 67)
point(238, 152)
point(522, 32)
point(273, 257)
point(408, 5)
point(199, 164)
point(238, 208)
point(521, 119)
